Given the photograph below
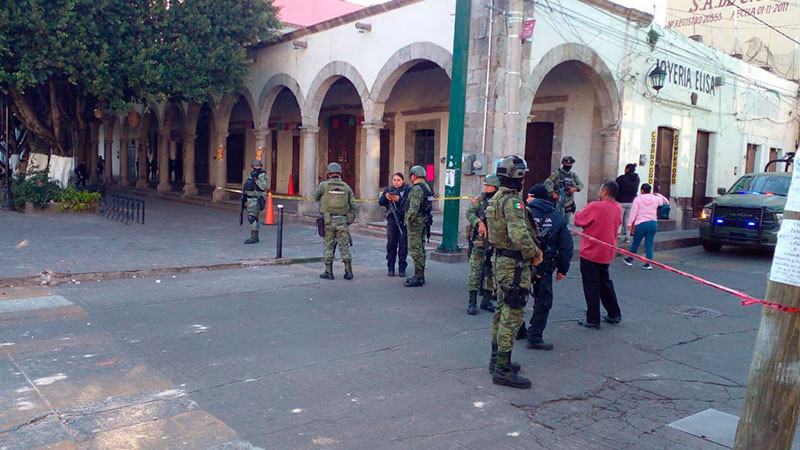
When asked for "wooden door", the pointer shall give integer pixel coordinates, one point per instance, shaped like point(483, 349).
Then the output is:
point(296, 164)
point(700, 181)
point(750, 158)
point(773, 155)
point(662, 178)
point(538, 153)
point(273, 161)
point(342, 146)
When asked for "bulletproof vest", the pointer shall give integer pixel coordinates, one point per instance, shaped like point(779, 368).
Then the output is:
point(335, 197)
point(496, 220)
point(545, 232)
point(566, 177)
point(426, 205)
point(250, 184)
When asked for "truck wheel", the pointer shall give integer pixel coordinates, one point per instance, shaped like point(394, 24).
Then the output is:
point(712, 247)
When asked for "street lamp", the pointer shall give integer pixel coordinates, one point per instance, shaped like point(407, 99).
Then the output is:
point(657, 77)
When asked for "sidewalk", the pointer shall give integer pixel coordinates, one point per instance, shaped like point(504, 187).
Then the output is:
point(180, 235)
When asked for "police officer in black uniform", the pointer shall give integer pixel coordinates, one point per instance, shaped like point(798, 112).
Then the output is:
point(393, 198)
point(556, 245)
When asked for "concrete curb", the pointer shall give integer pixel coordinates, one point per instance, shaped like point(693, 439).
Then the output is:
point(55, 278)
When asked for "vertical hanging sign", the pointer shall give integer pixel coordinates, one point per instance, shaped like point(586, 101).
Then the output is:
point(675, 158)
point(527, 29)
point(651, 172)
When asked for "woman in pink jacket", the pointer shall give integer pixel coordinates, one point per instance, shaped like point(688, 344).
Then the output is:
point(644, 219)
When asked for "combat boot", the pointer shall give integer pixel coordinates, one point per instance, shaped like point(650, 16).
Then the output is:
point(473, 303)
point(253, 237)
point(348, 270)
point(417, 280)
point(493, 361)
point(328, 274)
point(504, 374)
point(486, 304)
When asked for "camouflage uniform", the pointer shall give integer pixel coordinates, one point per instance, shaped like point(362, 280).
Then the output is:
point(571, 179)
point(254, 191)
point(415, 224)
point(512, 234)
point(253, 208)
point(476, 212)
point(337, 222)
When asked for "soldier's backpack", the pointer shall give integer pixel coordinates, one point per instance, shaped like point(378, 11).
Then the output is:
point(335, 199)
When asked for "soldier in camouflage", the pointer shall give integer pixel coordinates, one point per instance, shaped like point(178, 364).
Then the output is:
point(566, 181)
point(512, 235)
point(418, 207)
point(338, 209)
point(255, 191)
point(478, 234)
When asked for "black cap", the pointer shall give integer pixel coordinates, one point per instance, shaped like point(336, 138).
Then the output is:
point(538, 191)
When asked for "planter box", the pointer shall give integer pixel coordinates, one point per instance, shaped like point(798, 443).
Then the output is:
point(52, 208)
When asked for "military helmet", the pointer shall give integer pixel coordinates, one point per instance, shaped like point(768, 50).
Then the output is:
point(491, 180)
point(418, 171)
point(334, 168)
point(568, 160)
point(512, 166)
point(256, 162)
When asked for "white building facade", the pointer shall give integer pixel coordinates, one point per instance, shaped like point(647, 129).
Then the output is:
point(377, 100)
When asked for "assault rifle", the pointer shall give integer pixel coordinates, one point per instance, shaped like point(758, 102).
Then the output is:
point(486, 269)
point(393, 211)
point(563, 185)
point(244, 206)
point(428, 223)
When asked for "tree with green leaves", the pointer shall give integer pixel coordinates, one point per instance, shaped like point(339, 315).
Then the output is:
point(63, 60)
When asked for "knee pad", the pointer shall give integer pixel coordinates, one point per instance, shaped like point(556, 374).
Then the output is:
point(251, 218)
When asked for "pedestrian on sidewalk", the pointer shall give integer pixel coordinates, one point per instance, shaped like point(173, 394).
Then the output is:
point(480, 252)
point(556, 243)
point(337, 204)
point(101, 167)
point(80, 172)
point(600, 220)
point(643, 222)
point(418, 209)
point(392, 198)
point(628, 187)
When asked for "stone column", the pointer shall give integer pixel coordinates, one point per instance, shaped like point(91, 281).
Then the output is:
point(91, 159)
point(123, 162)
point(163, 161)
point(262, 151)
point(221, 178)
point(371, 178)
point(308, 169)
point(189, 187)
point(109, 157)
point(141, 151)
point(610, 153)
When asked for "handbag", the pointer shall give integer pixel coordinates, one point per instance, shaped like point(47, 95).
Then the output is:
point(663, 212)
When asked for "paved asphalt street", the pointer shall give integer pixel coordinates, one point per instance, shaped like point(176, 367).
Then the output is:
point(275, 358)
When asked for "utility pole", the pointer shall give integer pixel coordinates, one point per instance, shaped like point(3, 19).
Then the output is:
point(771, 403)
point(513, 78)
point(455, 132)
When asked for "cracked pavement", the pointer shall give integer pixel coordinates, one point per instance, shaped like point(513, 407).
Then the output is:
point(275, 358)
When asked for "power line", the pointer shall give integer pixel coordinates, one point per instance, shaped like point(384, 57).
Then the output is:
point(768, 25)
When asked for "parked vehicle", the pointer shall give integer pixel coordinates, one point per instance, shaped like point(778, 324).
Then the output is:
point(748, 214)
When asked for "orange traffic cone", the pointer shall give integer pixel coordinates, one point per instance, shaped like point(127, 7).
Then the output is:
point(270, 219)
point(291, 185)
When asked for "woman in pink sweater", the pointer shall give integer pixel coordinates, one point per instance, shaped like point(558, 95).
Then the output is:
point(644, 219)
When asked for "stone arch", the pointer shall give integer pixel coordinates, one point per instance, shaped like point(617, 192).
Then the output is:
point(404, 59)
point(595, 69)
point(270, 92)
point(324, 79)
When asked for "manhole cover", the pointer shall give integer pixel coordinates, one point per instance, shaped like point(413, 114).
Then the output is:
point(694, 311)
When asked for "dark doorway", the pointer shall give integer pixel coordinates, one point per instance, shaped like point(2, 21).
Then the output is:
point(177, 166)
point(384, 163)
point(425, 154)
point(662, 176)
point(700, 182)
point(235, 157)
point(201, 146)
point(296, 163)
point(538, 152)
point(342, 146)
point(273, 161)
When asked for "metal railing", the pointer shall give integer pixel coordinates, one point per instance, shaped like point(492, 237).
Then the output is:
point(124, 209)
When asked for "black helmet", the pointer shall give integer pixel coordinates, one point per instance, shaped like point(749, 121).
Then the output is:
point(512, 166)
point(568, 160)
